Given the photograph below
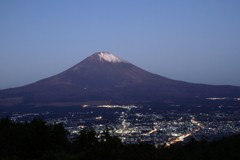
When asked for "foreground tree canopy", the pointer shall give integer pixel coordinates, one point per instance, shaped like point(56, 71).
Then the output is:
point(36, 140)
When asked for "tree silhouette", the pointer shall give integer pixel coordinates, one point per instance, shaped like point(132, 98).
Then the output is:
point(38, 141)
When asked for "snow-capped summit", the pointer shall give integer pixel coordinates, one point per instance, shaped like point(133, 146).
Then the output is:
point(106, 56)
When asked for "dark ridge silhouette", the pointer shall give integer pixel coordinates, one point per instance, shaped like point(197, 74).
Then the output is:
point(36, 140)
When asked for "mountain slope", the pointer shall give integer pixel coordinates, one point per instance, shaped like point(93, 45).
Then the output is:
point(103, 78)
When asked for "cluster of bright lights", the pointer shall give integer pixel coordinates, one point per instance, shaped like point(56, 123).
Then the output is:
point(215, 98)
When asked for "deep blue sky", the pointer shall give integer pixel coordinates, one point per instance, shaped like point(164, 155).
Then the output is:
point(195, 41)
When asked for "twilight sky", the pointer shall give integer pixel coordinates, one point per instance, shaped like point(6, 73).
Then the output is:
point(195, 41)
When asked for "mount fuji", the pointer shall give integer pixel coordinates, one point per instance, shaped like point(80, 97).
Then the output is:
point(104, 78)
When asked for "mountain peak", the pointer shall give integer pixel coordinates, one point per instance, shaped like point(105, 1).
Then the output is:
point(102, 77)
point(106, 56)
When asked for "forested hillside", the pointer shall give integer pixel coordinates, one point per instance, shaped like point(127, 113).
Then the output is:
point(36, 140)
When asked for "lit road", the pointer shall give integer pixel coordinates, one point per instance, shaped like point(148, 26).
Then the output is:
point(151, 132)
point(181, 138)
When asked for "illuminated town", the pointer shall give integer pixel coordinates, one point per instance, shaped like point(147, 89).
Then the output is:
point(146, 124)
